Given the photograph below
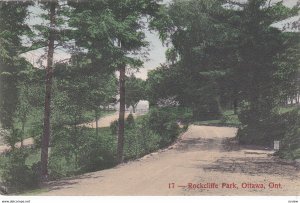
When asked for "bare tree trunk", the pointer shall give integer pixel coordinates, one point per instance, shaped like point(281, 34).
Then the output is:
point(22, 134)
point(235, 106)
point(47, 107)
point(97, 124)
point(121, 122)
point(134, 108)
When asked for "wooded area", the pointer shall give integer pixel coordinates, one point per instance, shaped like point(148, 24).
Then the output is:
point(227, 64)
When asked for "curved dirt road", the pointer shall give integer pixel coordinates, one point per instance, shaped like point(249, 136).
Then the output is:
point(204, 155)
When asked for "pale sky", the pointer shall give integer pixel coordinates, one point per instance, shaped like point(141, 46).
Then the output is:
point(156, 49)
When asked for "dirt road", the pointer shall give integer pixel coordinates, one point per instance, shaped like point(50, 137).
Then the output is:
point(106, 121)
point(26, 142)
point(204, 159)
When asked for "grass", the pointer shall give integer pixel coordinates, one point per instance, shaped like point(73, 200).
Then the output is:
point(231, 119)
point(283, 110)
point(228, 119)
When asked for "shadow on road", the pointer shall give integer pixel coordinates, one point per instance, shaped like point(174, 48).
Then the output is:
point(68, 182)
point(254, 166)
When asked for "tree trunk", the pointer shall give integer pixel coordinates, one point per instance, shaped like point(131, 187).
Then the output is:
point(76, 143)
point(235, 106)
point(97, 124)
point(22, 134)
point(121, 122)
point(133, 108)
point(48, 89)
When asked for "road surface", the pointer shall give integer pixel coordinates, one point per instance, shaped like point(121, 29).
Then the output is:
point(26, 142)
point(205, 162)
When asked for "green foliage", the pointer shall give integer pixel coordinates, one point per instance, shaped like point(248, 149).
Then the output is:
point(224, 56)
point(130, 120)
point(97, 153)
point(164, 123)
point(150, 132)
point(135, 91)
point(228, 119)
point(88, 152)
point(140, 139)
point(114, 127)
point(267, 129)
point(16, 175)
point(290, 144)
point(12, 137)
point(201, 55)
point(12, 27)
point(109, 30)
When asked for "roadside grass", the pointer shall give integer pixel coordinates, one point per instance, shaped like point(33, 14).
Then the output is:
point(228, 119)
point(231, 120)
point(283, 110)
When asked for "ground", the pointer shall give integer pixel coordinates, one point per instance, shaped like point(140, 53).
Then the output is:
point(205, 155)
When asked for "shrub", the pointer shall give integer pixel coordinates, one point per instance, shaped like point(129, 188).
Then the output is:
point(265, 130)
point(290, 145)
point(163, 122)
point(86, 152)
point(114, 127)
point(61, 165)
point(130, 121)
point(97, 152)
point(16, 175)
point(140, 140)
point(12, 137)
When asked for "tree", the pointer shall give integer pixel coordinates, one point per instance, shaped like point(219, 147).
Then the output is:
point(113, 31)
point(97, 90)
point(23, 108)
point(103, 90)
point(50, 36)
point(202, 51)
point(12, 28)
point(259, 47)
point(135, 91)
point(229, 52)
point(48, 89)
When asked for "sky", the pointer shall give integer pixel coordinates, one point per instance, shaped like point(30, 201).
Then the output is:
point(156, 48)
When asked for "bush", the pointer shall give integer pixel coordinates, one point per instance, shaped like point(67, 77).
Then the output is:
point(264, 131)
point(130, 121)
point(16, 175)
point(61, 165)
point(140, 140)
point(290, 145)
point(79, 150)
point(12, 137)
point(97, 152)
point(85, 152)
point(114, 127)
point(164, 123)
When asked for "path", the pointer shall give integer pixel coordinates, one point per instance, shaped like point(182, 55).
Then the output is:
point(106, 121)
point(26, 142)
point(204, 155)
